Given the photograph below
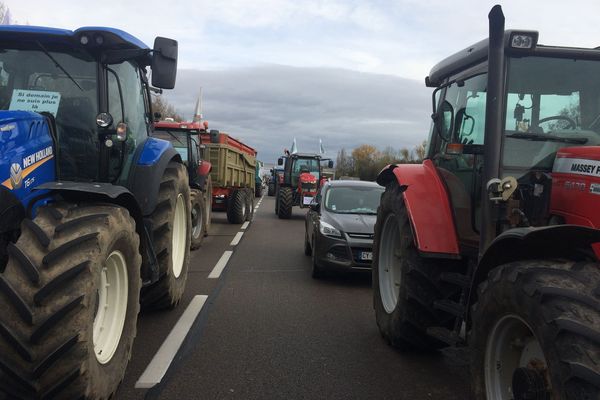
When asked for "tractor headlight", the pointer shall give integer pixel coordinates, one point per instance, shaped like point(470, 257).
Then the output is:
point(328, 230)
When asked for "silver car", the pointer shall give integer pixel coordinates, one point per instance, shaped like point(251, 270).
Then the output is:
point(340, 225)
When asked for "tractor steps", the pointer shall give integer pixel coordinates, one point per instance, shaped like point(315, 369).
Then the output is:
point(457, 279)
point(445, 335)
point(450, 307)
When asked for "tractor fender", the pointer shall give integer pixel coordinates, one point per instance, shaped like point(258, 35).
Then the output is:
point(150, 164)
point(428, 206)
point(555, 241)
point(203, 173)
point(121, 196)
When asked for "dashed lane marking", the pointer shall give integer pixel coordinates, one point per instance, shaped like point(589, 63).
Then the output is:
point(216, 272)
point(236, 239)
point(245, 224)
point(159, 365)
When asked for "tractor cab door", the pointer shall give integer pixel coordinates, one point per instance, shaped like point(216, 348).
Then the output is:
point(458, 151)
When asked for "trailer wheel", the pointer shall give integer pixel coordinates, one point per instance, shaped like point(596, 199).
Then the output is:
point(249, 205)
point(172, 235)
point(536, 332)
point(405, 285)
point(271, 189)
point(208, 204)
point(69, 298)
point(286, 198)
point(198, 209)
point(236, 207)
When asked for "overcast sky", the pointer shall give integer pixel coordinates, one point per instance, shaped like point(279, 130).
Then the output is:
point(347, 71)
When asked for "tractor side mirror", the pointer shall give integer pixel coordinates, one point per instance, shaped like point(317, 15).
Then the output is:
point(330, 164)
point(443, 120)
point(280, 161)
point(164, 63)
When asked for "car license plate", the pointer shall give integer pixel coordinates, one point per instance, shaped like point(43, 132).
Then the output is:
point(306, 200)
point(366, 255)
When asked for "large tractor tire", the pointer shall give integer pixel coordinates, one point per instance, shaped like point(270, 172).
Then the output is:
point(69, 298)
point(198, 215)
point(285, 203)
point(249, 205)
point(236, 207)
point(172, 236)
point(405, 285)
point(536, 332)
point(208, 198)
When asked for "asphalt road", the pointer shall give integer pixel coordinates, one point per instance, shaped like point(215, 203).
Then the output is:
point(269, 331)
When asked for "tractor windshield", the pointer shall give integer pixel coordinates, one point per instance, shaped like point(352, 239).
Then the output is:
point(551, 103)
point(300, 164)
point(177, 138)
point(62, 83)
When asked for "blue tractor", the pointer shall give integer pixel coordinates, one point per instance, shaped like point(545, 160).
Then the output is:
point(94, 212)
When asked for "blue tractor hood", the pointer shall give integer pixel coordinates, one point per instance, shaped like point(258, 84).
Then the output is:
point(27, 153)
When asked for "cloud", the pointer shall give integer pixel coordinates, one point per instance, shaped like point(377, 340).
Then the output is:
point(268, 106)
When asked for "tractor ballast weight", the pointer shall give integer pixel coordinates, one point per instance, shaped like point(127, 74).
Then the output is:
point(502, 220)
point(87, 198)
point(302, 174)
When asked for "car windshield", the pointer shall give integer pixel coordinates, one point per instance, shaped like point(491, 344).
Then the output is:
point(551, 103)
point(353, 199)
point(40, 78)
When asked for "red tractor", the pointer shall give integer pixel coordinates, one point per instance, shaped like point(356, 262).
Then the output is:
point(493, 241)
point(186, 139)
point(301, 182)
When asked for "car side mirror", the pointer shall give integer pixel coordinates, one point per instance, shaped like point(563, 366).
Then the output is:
point(280, 161)
point(164, 63)
point(315, 206)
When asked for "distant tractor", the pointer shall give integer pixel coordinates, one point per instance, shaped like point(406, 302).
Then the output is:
point(493, 241)
point(185, 138)
point(93, 209)
point(233, 175)
point(275, 178)
point(301, 181)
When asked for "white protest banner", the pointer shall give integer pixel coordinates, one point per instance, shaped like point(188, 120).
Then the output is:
point(35, 100)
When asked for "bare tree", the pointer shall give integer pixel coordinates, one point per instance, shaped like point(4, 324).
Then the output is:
point(161, 106)
point(420, 150)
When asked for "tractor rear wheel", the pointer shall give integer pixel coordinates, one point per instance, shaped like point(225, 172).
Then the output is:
point(536, 332)
point(198, 216)
point(271, 189)
point(172, 236)
point(208, 205)
point(236, 207)
point(405, 285)
point(286, 198)
point(69, 298)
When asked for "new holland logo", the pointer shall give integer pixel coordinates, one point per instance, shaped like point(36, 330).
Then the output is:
point(16, 176)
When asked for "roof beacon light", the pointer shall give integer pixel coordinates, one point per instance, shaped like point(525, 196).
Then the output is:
point(522, 41)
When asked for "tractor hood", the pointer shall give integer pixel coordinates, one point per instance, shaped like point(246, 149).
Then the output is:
point(26, 152)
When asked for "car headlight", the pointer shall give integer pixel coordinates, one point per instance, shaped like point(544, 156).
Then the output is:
point(328, 230)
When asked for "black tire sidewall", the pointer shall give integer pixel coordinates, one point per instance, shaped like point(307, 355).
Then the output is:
point(197, 202)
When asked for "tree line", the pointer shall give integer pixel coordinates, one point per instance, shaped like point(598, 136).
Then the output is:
point(366, 161)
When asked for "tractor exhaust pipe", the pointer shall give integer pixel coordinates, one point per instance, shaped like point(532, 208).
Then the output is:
point(493, 122)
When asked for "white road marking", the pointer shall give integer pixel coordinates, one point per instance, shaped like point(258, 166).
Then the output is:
point(159, 365)
point(245, 224)
point(236, 239)
point(216, 272)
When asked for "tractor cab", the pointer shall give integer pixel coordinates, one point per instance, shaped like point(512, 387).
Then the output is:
point(186, 139)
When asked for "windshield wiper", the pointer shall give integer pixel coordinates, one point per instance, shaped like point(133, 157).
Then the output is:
point(174, 137)
point(57, 64)
point(546, 138)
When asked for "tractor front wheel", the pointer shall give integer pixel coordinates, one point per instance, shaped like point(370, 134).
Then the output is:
point(172, 236)
point(198, 216)
point(285, 202)
point(208, 205)
point(536, 332)
point(405, 285)
point(69, 298)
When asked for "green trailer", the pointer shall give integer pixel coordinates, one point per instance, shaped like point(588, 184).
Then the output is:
point(233, 175)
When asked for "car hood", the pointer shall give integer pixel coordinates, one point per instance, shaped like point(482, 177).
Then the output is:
point(353, 223)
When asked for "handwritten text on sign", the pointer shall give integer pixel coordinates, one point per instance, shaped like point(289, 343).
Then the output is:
point(35, 100)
